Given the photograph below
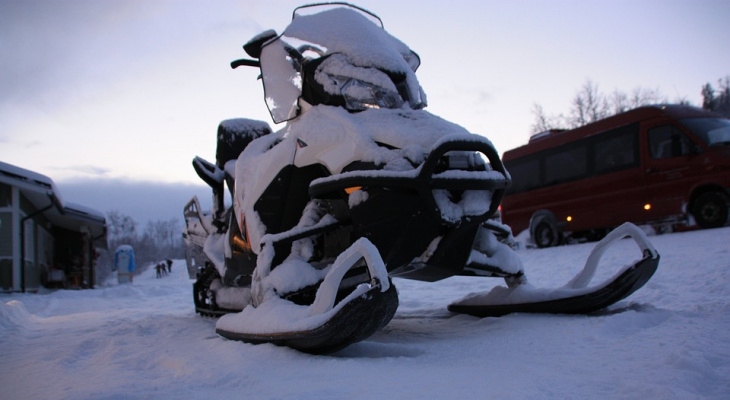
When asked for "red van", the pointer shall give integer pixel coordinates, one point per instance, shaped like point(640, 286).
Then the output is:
point(665, 165)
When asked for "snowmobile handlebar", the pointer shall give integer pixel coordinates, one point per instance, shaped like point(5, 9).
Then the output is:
point(245, 62)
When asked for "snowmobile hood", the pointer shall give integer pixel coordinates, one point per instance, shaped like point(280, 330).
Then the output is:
point(396, 139)
point(322, 31)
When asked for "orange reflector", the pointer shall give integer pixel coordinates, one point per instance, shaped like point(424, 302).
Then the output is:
point(569, 218)
point(647, 206)
point(353, 189)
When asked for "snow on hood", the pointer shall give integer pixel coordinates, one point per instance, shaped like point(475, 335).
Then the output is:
point(412, 133)
point(345, 31)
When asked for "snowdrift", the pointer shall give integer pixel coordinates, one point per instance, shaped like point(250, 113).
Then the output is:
point(670, 340)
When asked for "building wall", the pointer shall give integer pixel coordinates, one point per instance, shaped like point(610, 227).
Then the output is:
point(36, 252)
point(37, 246)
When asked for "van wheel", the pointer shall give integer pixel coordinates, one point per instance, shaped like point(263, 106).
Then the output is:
point(545, 234)
point(595, 235)
point(711, 210)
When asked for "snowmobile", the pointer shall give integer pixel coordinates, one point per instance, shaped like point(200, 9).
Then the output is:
point(359, 186)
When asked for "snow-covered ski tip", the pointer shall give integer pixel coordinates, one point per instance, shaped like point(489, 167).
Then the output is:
point(576, 297)
point(360, 185)
point(326, 325)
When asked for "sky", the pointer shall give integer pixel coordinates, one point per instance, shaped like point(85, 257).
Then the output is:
point(122, 94)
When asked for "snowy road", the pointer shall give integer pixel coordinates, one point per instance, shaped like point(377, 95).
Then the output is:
point(670, 340)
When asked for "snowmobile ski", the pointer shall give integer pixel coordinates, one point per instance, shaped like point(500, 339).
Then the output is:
point(333, 321)
point(354, 322)
point(575, 297)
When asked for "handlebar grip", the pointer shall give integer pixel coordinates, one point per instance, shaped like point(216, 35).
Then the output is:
point(245, 62)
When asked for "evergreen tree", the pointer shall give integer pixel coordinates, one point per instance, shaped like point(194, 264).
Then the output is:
point(717, 100)
point(708, 97)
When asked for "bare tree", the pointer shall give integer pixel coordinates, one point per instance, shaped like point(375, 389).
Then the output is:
point(543, 122)
point(590, 105)
point(120, 229)
point(161, 239)
point(643, 96)
point(619, 102)
point(163, 233)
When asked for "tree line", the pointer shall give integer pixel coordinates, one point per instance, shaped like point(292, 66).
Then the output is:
point(717, 100)
point(160, 239)
point(589, 104)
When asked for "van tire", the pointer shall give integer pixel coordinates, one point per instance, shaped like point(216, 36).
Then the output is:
point(545, 232)
point(710, 210)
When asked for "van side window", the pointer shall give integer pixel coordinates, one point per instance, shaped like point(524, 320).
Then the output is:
point(617, 149)
point(566, 164)
point(525, 175)
point(668, 141)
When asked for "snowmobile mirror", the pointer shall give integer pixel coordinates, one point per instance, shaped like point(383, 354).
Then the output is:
point(208, 172)
point(253, 46)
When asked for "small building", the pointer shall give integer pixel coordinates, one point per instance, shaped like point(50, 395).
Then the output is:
point(45, 241)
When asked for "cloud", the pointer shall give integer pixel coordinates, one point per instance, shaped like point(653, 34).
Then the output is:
point(144, 201)
point(85, 170)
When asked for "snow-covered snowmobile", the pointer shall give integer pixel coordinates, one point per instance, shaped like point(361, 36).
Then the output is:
point(360, 185)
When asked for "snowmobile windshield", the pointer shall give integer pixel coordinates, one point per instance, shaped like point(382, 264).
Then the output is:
point(713, 131)
point(339, 55)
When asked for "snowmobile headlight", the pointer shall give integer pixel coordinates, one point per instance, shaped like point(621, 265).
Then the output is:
point(361, 95)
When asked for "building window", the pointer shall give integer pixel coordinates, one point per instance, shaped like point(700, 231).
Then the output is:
point(6, 198)
point(6, 234)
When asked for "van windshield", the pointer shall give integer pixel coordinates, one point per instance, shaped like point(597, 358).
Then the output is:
point(713, 131)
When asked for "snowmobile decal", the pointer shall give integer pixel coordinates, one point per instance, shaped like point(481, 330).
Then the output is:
point(359, 186)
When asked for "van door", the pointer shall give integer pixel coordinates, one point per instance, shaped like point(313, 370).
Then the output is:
point(670, 170)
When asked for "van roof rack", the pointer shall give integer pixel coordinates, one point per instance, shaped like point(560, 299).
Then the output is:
point(545, 134)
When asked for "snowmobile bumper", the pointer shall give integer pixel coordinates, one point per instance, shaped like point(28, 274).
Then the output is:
point(407, 212)
point(433, 174)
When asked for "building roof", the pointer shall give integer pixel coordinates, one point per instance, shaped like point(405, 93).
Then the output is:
point(44, 195)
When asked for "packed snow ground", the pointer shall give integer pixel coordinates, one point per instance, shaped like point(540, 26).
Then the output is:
point(670, 340)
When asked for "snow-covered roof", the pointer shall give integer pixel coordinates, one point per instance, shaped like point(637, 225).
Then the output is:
point(42, 192)
point(26, 179)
